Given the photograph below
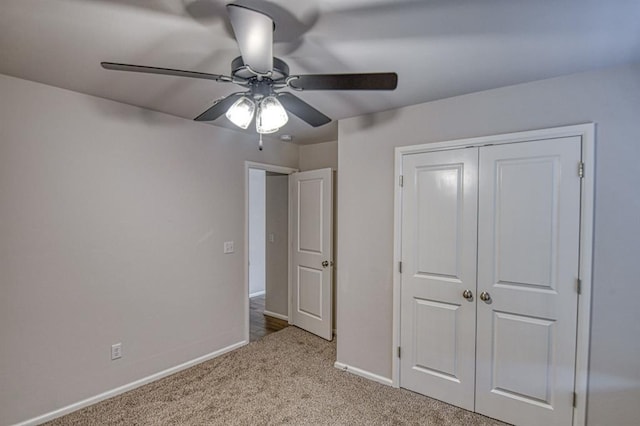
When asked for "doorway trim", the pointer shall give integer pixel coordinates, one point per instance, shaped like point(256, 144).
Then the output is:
point(587, 133)
point(267, 168)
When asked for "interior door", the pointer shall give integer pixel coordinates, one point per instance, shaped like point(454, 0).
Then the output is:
point(312, 257)
point(439, 220)
point(528, 243)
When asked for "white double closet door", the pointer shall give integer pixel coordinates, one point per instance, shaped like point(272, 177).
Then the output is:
point(490, 249)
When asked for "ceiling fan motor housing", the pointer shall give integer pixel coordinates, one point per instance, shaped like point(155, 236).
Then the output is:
point(240, 70)
point(261, 88)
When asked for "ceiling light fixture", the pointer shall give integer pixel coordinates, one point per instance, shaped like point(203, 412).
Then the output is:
point(271, 115)
point(241, 112)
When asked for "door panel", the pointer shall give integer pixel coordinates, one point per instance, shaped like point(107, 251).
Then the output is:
point(310, 291)
point(437, 323)
point(526, 222)
point(438, 186)
point(439, 217)
point(533, 353)
point(528, 248)
point(311, 214)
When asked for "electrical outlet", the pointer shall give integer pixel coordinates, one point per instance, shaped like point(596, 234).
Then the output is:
point(116, 351)
point(228, 247)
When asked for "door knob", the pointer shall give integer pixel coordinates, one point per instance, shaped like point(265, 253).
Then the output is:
point(467, 294)
point(325, 263)
point(485, 297)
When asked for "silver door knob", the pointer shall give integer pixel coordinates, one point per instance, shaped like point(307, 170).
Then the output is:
point(325, 263)
point(485, 297)
point(467, 294)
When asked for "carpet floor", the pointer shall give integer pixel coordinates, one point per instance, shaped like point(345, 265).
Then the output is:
point(285, 378)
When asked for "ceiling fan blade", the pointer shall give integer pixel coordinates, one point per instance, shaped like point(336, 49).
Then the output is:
point(219, 108)
point(300, 108)
point(163, 71)
point(367, 81)
point(254, 33)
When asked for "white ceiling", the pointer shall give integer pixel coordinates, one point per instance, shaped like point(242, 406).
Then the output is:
point(439, 48)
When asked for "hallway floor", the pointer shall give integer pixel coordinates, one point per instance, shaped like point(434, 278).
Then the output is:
point(259, 324)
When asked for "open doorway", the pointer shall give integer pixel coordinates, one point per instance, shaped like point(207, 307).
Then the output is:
point(268, 254)
point(295, 233)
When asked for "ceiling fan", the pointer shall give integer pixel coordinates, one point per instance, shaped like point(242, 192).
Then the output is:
point(263, 76)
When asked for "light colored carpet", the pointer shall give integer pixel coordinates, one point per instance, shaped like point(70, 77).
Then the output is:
point(286, 378)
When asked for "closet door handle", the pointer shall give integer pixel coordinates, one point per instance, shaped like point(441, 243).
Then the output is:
point(485, 297)
point(325, 263)
point(467, 294)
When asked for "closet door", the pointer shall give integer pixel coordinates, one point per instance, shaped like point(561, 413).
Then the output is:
point(439, 219)
point(528, 242)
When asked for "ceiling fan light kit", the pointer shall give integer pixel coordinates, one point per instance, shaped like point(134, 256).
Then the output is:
point(241, 112)
point(270, 118)
point(271, 115)
point(262, 75)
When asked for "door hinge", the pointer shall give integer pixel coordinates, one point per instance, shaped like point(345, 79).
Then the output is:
point(581, 169)
point(401, 181)
point(400, 266)
point(399, 351)
point(575, 399)
point(579, 285)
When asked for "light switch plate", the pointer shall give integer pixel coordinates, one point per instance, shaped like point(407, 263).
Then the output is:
point(228, 247)
point(116, 351)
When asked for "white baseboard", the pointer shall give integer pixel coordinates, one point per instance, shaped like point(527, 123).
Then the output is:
point(129, 386)
point(363, 373)
point(275, 315)
point(257, 293)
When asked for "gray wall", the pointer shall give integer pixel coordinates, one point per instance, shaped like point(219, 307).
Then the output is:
point(611, 98)
point(257, 231)
point(112, 223)
point(277, 298)
point(319, 156)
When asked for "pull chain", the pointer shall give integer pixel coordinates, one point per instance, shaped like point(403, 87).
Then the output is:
point(260, 142)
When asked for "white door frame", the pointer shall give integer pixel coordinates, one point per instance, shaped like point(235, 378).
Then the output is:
point(268, 168)
point(587, 133)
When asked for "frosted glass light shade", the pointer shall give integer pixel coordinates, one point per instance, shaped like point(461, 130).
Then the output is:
point(271, 115)
point(241, 112)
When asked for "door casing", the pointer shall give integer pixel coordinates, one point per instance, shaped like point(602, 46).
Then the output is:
point(587, 134)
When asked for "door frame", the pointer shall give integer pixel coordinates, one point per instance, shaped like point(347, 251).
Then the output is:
point(587, 133)
point(267, 168)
